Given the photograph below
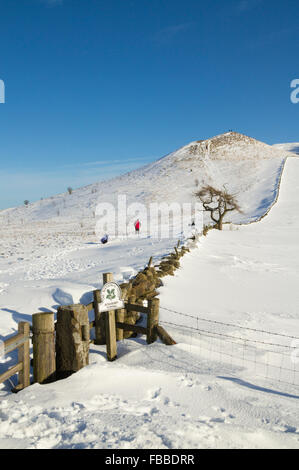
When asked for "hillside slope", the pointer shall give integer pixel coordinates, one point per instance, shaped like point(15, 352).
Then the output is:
point(247, 168)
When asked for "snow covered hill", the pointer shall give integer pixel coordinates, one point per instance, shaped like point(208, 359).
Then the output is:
point(193, 394)
point(248, 168)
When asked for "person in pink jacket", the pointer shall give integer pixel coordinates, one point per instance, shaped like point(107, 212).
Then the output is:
point(137, 226)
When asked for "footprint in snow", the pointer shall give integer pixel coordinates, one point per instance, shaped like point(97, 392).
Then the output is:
point(155, 394)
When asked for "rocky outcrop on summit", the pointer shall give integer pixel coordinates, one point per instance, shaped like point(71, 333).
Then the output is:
point(233, 146)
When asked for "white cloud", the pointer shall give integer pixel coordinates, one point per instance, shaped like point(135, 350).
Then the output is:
point(246, 5)
point(165, 35)
point(112, 163)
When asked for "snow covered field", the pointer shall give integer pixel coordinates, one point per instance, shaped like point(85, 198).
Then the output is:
point(208, 391)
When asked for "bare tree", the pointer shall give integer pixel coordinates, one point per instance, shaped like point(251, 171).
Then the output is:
point(218, 203)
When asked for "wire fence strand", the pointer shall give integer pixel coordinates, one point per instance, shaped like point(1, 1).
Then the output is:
point(269, 359)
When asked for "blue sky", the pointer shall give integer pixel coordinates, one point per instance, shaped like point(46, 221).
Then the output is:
point(95, 88)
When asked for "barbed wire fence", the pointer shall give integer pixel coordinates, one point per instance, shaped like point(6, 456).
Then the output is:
point(265, 354)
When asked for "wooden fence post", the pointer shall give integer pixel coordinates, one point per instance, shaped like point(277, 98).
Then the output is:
point(107, 277)
point(43, 347)
point(111, 346)
point(72, 339)
point(121, 315)
point(152, 320)
point(120, 318)
point(100, 330)
point(164, 336)
point(24, 357)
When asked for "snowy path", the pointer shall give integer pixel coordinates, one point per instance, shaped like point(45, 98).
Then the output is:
point(248, 275)
point(243, 283)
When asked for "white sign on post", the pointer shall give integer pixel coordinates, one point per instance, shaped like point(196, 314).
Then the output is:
point(111, 298)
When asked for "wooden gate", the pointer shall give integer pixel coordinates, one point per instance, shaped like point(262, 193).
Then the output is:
point(112, 322)
point(19, 341)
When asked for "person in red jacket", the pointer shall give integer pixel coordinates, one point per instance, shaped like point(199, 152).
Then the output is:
point(137, 226)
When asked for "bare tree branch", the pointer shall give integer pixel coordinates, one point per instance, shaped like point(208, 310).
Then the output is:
point(216, 200)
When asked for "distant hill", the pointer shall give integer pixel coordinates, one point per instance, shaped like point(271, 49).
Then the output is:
point(292, 147)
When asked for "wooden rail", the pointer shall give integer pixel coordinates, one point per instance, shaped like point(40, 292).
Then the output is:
point(131, 307)
point(10, 372)
point(19, 341)
point(135, 328)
